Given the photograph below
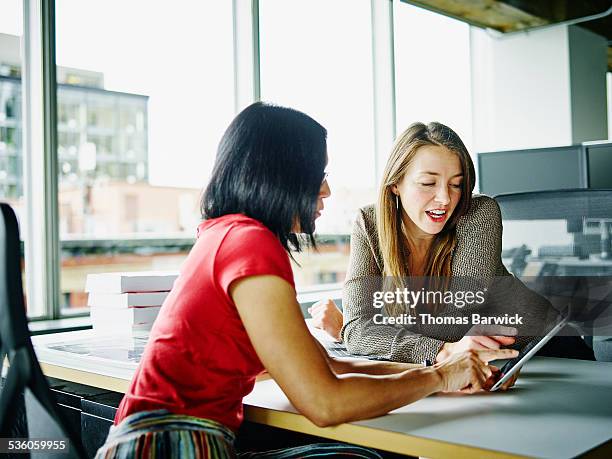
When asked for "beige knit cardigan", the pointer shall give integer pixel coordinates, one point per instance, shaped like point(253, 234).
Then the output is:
point(477, 254)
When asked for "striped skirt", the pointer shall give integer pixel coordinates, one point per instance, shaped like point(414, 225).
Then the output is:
point(160, 434)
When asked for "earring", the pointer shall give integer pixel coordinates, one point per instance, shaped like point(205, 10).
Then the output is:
point(397, 202)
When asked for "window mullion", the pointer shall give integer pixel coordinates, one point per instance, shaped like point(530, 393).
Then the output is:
point(40, 157)
point(383, 68)
point(247, 88)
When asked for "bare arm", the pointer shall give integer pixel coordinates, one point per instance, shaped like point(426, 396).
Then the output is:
point(274, 323)
point(371, 367)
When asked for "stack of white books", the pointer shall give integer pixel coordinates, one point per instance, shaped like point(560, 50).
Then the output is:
point(127, 303)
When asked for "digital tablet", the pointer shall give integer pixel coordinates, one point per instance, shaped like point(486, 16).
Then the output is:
point(514, 365)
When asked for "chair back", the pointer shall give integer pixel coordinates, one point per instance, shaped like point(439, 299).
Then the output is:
point(25, 392)
point(562, 233)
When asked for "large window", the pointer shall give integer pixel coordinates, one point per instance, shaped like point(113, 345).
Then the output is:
point(145, 90)
point(432, 70)
point(315, 60)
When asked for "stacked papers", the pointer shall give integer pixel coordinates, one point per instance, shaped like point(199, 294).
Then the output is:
point(127, 303)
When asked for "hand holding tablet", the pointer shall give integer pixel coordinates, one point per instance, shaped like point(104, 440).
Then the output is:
point(514, 365)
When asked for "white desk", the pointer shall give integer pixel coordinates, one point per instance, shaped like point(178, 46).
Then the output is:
point(559, 408)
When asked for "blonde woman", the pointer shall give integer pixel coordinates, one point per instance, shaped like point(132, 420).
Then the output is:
point(426, 223)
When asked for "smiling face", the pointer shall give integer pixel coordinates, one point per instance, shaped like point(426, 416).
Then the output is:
point(430, 190)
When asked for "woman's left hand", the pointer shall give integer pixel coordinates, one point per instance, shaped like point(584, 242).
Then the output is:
point(497, 375)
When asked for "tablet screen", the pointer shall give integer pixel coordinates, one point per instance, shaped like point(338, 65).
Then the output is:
point(510, 363)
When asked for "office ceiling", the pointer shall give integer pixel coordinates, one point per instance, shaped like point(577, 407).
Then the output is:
point(519, 15)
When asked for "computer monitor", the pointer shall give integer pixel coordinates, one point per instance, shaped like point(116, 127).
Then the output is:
point(557, 168)
point(599, 160)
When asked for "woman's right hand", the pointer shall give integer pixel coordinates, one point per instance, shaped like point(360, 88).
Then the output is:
point(327, 316)
point(469, 371)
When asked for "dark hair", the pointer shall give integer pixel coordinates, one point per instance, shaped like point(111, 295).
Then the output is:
point(269, 166)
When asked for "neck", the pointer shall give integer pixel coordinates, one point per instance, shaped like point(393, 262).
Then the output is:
point(419, 247)
point(417, 260)
point(419, 242)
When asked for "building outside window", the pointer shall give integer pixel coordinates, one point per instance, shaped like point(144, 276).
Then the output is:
point(10, 138)
point(11, 116)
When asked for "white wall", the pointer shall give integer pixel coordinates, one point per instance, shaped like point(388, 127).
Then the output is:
point(520, 90)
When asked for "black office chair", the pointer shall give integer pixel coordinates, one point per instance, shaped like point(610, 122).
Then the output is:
point(24, 378)
point(582, 216)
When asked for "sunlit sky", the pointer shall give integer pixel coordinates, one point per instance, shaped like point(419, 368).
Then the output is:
point(181, 57)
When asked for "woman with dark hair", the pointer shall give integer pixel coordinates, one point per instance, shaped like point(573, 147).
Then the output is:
point(426, 224)
point(234, 306)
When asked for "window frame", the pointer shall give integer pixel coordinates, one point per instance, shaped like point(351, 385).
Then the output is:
point(39, 140)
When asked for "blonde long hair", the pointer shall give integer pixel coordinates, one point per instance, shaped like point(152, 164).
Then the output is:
point(392, 241)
